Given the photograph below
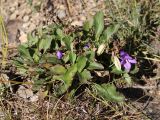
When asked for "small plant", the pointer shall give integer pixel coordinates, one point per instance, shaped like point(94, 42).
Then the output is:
point(63, 62)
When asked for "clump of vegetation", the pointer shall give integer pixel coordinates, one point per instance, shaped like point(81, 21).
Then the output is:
point(62, 62)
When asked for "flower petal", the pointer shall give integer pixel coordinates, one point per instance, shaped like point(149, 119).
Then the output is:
point(86, 46)
point(123, 62)
point(59, 54)
point(127, 57)
point(132, 61)
point(127, 66)
point(122, 53)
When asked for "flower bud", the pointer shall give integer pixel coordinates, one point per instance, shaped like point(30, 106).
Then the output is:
point(101, 49)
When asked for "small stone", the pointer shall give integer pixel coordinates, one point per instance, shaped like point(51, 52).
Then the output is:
point(2, 114)
point(34, 98)
point(61, 14)
point(62, 7)
point(82, 18)
point(23, 38)
point(12, 9)
point(31, 27)
point(77, 23)
point(26, 25)
point(158, 92)
point(28, 11)
point(24, 92)
point(150, 110)
point(25, 18)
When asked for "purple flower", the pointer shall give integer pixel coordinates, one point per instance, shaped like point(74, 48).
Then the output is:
point(59, 54)
point(126, 60)
point(86, 46)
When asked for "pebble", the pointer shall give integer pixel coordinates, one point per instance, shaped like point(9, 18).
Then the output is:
point(2, 114)
point(31, 27)
point(150, 110)
point(23, 38)
point(24, 92)
point(62, 7)
point(61, 14)
point(12, 9)
point(34, 98)
point(26, 25)
point(77, 23)
point(28, 11)
point(26, 18)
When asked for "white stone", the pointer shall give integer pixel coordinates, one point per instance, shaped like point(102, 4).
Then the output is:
point(12, 9)
point(61, 14)
point(25, 25)
point(26, 18)
point(24, 92)
point(34, 98)
point(23, 38)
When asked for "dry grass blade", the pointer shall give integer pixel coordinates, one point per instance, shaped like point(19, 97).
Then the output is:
point(4, 42)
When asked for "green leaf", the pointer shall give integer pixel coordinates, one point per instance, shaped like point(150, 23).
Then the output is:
point(49, 59)
point(24, 52)
point(66, 57)
point(18, 62)
point(135, 14)
point(127, 78)
point(37, 84)
point(98, 24)
point(72, 57)
point(108, 92)
point(115, 71)
point(103, 37)
point(45, 44)
point(117, 63)
point(57, 77)
point(90, 55)
point(95, 66)
point(84, 76)
point(36, 55)
point(39, 70)
point(88, 25)
point(60, 33)
point(111, 30)
point(68, 76)
point(67, 79)
point(68, 42)
point(81, 63)
point(32, 40)
point(22, 70)
point(58, 69)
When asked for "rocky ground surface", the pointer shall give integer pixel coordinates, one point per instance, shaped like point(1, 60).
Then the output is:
point(22, 17)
